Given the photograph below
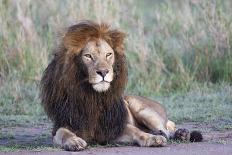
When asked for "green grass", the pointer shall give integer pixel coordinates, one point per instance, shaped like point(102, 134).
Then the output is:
point(178, 52)
point(206, 103)
point(19, 147)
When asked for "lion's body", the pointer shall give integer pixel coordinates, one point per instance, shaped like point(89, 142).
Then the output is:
point(82, 91)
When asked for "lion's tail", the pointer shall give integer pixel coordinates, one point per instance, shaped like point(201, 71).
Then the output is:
point(196, 136)
point(185, 135)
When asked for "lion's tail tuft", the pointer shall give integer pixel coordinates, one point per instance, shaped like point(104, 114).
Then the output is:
point(196, 136)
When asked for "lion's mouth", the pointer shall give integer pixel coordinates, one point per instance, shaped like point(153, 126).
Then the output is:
point(100, 82)
point(101, 86)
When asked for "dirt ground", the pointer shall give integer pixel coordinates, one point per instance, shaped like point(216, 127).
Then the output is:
point(37, 140)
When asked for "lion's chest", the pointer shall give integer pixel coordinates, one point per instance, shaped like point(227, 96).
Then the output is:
point(100, 122)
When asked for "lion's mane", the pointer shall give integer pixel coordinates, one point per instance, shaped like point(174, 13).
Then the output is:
point(67, 97)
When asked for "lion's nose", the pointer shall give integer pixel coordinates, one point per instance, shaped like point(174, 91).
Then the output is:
point(102, 72)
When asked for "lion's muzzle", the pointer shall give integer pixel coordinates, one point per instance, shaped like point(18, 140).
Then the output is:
point(102, 73)
point(102, 80)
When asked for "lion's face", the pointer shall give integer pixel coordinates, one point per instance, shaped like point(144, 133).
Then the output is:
point(99, 58)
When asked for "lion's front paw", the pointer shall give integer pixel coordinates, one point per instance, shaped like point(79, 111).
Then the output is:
point(155, 140)
point(74, 143)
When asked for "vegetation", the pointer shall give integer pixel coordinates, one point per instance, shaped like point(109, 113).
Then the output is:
point(178, 52)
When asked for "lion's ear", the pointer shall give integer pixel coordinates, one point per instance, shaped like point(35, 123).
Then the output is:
point(117, 40)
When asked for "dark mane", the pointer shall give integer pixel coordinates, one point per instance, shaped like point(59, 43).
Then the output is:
point(68, 98)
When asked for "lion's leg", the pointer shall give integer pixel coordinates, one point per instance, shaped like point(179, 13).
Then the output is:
point(133, 134)
point(146, 112)
point(67, 140)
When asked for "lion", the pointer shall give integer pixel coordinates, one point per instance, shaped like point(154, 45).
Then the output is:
point(82, 92)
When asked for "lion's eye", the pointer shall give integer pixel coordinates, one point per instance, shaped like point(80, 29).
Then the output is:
point(89, 56)
point(108, 54)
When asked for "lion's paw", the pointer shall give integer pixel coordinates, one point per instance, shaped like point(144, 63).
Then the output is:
point(156, 140)
point(74, 143)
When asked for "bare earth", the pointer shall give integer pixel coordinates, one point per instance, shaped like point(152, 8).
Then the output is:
point(216, 142)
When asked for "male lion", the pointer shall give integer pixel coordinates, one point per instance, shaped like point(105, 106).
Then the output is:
point(82, 91)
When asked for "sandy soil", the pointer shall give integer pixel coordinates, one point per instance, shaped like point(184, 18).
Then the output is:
point(215, 142)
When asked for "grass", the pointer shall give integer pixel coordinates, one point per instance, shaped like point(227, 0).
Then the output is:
point(178, 52)
point(203, 104)
point(34, 148)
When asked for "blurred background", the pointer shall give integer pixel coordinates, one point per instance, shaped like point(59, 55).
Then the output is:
point(178, 52)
